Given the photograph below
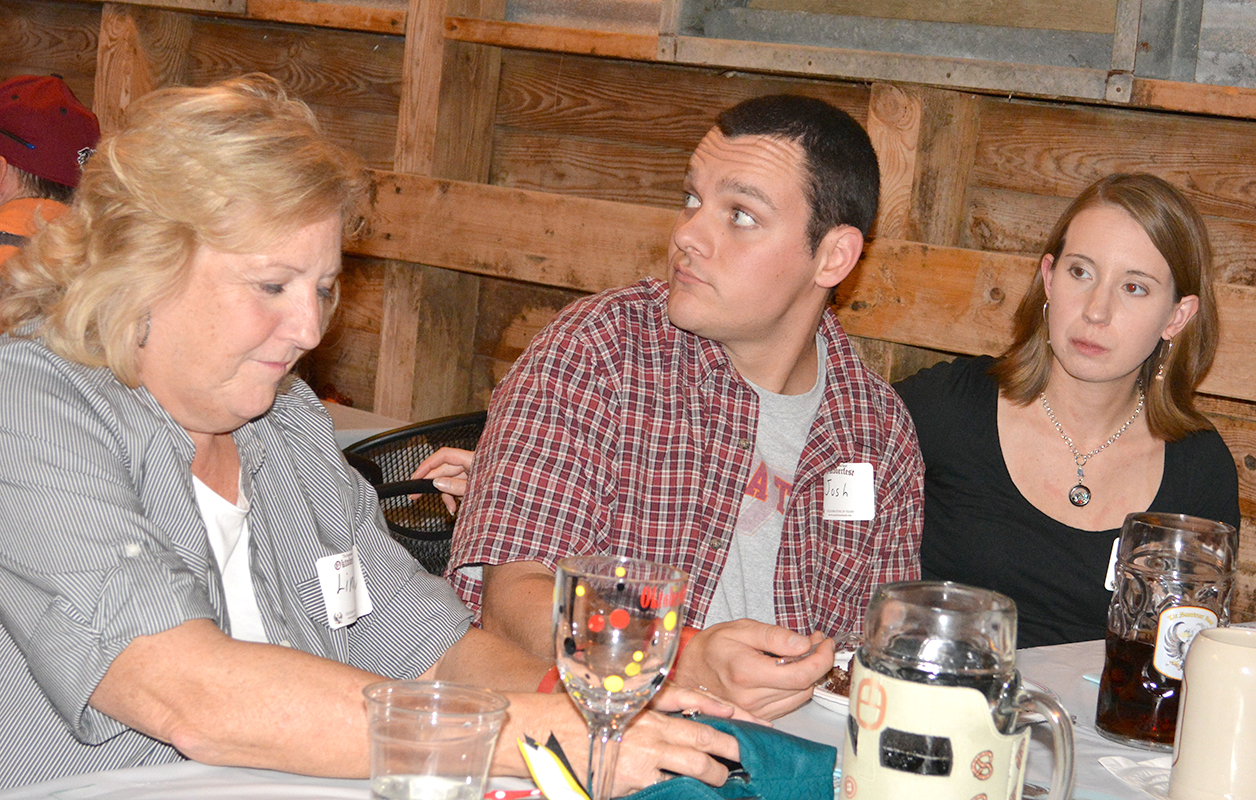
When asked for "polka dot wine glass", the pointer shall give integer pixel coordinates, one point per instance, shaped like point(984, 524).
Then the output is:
point(616, 630)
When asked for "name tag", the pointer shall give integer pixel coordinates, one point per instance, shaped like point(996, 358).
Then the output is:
point(344, 588)
point(1109, 582)
point(849, 492)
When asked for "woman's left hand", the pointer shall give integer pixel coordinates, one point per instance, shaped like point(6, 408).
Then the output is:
point(677, 698)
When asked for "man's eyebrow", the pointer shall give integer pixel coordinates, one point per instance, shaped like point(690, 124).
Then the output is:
point(739, 187)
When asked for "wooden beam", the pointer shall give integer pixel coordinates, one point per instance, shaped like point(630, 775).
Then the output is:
point(420, 87)
point(947, 150)
point(467, 109)
point(403, 291)
point(1195, 98)
point(371, 19)
point(555, 240)
point(942, 298)
point(446, 131)
point(522, 36)
point(894, 127)
point(234, 7)
point(447, 310)
point(141, 49)
point(670, 12)
point(417, 121)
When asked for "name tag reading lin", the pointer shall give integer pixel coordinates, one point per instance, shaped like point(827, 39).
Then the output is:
point(849, 492)
point(344, 588)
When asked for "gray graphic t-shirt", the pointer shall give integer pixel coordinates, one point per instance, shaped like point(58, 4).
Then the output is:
point(745, 588)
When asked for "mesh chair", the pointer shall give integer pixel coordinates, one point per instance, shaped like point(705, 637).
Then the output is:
point(423, 525)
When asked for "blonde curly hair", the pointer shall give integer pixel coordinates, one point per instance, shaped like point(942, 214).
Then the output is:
point(235, 166)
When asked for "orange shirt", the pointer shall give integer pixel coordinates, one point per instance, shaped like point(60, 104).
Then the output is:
point(19, 218)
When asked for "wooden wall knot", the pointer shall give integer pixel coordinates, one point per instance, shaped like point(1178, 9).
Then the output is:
point(1249, 462)
point(893, 106)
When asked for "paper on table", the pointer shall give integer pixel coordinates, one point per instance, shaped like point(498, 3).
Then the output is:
point(1151, 776)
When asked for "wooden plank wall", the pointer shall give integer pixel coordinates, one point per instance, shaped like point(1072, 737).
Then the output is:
point(983, 173)
point(990, 174)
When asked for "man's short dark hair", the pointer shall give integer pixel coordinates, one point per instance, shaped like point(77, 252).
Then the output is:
point(843, 181)
point(42, 188)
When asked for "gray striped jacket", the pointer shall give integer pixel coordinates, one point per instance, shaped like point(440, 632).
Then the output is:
point(101, 541)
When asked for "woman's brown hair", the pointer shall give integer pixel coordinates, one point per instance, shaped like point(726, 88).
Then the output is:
point(1178, 232)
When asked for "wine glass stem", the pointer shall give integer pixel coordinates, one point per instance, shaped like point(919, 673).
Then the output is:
point(603, 752)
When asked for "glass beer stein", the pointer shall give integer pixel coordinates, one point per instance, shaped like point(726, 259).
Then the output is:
point(1174, 575)
point(935, 699)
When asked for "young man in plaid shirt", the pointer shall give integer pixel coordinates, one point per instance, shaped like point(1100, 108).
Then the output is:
point(719, 422)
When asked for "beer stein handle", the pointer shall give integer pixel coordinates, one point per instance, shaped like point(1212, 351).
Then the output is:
point(1061, 735)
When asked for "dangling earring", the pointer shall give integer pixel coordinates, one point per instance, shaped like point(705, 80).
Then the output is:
point(1046, 325)
point(1163, 359)
point(148, 325)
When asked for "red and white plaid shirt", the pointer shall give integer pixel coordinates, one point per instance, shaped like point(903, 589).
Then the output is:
point(616, 432)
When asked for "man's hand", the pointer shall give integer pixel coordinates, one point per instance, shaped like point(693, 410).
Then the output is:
point(740, 661)
point(448, 468)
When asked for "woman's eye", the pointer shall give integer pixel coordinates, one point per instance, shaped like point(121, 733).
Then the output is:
point(742, 219)
point(1135, 289)
point(691, 201)
point(1077, 271)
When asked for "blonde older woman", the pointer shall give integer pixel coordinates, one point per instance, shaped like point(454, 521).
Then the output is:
point(171, 496)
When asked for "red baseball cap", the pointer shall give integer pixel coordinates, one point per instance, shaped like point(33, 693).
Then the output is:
point(44, 129)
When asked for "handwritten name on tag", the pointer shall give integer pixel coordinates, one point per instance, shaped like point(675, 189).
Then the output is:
point(850, 492)
point(344, 588)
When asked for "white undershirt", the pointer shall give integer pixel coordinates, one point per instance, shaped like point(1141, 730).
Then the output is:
point(228, 529)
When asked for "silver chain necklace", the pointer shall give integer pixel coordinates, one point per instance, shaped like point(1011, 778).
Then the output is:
point(1079, 495)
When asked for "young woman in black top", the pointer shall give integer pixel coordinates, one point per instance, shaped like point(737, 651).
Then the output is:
point(1034, 459)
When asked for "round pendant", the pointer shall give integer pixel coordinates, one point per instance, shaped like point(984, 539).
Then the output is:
point(1079, 495)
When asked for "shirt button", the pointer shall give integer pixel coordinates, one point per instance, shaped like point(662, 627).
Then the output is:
point(285, 643)
point(131, 550)
point(744, 444)
point(717, 543)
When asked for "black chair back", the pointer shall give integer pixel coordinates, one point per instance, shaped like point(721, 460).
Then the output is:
point(422, 525)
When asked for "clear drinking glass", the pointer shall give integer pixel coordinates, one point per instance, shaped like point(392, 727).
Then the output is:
point(616, 632)
point(431, 740)
point(1174, 577)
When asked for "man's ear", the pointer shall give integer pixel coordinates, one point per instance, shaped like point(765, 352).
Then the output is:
point(837, 255)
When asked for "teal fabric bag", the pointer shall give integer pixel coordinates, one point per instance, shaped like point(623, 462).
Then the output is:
point(774, 766)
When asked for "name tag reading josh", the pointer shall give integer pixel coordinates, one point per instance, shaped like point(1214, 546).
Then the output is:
point(849, 493)
point(344, 588)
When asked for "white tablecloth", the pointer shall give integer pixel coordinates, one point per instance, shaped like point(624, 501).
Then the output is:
point(353, 424)
point(1059, 668)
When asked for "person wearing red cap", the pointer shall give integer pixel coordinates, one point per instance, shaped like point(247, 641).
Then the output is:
point(46, 135)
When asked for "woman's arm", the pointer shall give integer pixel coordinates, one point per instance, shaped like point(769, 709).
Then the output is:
point(221, 701)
